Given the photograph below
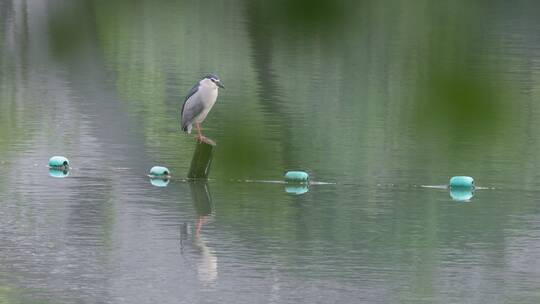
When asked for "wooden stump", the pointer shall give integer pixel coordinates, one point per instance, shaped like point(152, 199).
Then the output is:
point(202, 159)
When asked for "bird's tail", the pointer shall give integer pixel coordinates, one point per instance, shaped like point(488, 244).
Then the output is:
point(187, 128)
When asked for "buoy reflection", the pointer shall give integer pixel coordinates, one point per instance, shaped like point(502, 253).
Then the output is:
point(461, 194)
point(159, 182)
point(297, 189)
point(59, 172)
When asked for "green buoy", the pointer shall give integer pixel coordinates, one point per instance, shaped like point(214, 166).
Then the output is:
point(461, 182)
point(296, 177)
point(159, 172)
point(58, 162)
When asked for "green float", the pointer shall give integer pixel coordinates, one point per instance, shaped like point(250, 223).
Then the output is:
point(58, 162)
point(296, 177)
point(461, 182)
point(159, 172)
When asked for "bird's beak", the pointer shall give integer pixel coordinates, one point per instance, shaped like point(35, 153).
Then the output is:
point(220, 85)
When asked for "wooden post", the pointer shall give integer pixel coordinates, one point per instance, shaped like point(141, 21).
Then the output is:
point(202, 159)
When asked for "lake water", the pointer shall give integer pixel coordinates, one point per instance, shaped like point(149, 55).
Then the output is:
point(376, 98)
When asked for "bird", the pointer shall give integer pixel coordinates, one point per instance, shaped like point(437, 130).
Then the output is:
point(198, 102)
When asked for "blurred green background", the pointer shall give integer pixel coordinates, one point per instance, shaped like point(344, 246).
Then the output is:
point(454, 83)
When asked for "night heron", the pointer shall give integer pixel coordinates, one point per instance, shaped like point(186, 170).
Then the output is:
point(199, 101)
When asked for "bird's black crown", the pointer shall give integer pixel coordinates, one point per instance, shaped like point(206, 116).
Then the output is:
point(212, 77)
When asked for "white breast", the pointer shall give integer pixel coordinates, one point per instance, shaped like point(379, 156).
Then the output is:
point(208, 94)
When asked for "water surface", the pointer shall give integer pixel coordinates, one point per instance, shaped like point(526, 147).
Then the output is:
point(376, 98)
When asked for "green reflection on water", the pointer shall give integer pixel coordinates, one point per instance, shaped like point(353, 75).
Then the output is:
point(11, 295)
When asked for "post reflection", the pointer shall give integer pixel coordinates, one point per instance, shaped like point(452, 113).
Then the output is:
point(202, 201)
point(205, 258)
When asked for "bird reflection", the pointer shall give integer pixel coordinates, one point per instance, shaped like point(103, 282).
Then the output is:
point(202, 201)
point(206, 262)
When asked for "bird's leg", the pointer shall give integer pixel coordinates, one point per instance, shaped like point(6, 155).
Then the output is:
point(201, 220)
point(200, 138)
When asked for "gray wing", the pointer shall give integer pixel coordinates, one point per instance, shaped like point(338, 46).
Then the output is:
point(192, 107)
point(191, 92)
